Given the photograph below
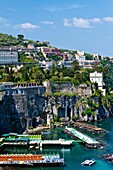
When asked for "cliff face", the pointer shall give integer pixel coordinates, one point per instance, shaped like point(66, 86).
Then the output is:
point(82, 108)
point(21, 108)
point(9, 117)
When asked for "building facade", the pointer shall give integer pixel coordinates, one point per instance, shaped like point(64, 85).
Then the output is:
point(96, 77)
point(8, 56)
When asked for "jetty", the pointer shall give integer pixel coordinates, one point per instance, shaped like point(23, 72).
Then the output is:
point(88, 127)
point(88, 141)
point(28, 160)
point(31, 141)
point(60, 142)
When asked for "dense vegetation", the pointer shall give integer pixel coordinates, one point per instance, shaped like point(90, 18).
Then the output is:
point(9, 40)
point(76, 74)
point(37, 74)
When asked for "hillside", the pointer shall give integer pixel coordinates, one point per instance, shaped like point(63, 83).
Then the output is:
point(9, 40)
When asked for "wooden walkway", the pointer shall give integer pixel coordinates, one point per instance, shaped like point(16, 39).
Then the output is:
point(88, 127)
point(88, 141)
point(82, 136)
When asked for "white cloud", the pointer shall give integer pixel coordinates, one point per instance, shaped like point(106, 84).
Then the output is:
point(108, 19)
point(67, 22)
point(27, 26)
point(86, 23)
point(47, 22)
point(61, 8)
point(80, 22)
point(95, 20)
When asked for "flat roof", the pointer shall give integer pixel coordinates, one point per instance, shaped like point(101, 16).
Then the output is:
point(22, 135)
point(13, 134)
point(5, 135)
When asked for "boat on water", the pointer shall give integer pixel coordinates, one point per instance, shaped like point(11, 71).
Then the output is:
point(30, 160)
point(88, 162)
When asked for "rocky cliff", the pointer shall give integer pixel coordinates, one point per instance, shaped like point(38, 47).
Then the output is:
point(22, 108)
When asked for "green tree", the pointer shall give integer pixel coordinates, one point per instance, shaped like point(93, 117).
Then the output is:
point(20, 37)
point(75, 65)
point(88, 56)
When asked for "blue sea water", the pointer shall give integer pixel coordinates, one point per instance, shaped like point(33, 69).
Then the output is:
point(78, 153)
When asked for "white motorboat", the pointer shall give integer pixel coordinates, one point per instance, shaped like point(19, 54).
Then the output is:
point(88, 162)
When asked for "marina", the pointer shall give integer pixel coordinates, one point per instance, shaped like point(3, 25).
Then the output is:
point(88, 141)
point(73, 156)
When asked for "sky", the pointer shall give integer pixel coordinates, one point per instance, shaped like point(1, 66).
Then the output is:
point(85, 25)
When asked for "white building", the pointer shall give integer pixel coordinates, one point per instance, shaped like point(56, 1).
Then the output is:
point(67, 64)
point(80, 58)
point(80, 53)
point(95, 56)
point(46, 64)
point(98, 78)
point(8, 56)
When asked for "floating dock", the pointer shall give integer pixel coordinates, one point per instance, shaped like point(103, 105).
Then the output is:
point(61, 142)
point(26, 160)
point(88, 127)
point(89, 142)
point(35, 143)
point(20, 139)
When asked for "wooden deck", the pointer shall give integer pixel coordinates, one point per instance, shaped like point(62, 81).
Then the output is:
point(88, 127)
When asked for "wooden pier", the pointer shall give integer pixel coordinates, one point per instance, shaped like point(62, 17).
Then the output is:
point(61, 142)
point(40, 143)
point(88, 141)
point(88, 127)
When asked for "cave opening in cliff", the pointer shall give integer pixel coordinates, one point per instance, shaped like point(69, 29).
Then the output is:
point(34, 122)
point(69, 113)
point(24, 123)
point(61, 112)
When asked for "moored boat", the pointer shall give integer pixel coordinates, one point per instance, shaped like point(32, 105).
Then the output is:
point(88, 162)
